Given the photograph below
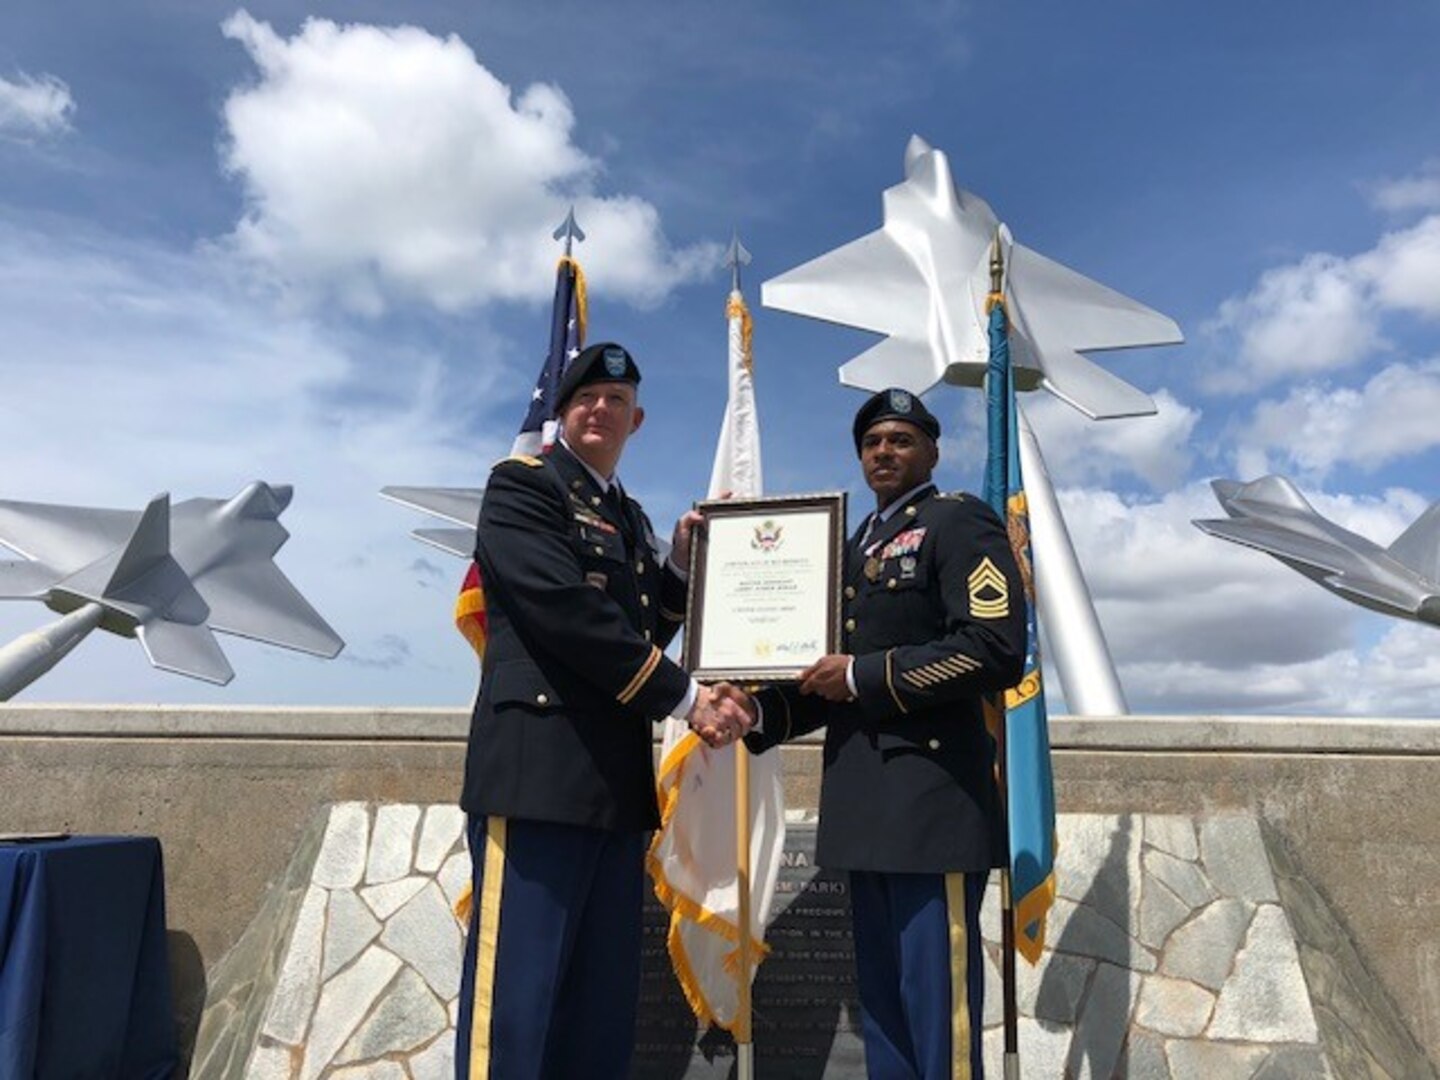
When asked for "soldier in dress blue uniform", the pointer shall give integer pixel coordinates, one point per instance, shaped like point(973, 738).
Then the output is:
point(559, 778)
point(934, 618)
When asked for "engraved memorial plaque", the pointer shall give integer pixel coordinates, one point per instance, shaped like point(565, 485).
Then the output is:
point(806, 1014)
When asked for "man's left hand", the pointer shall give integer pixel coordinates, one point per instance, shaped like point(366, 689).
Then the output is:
point(826, 677)
point(680, 542)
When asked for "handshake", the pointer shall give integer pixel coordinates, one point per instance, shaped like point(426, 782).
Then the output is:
point(722, 713)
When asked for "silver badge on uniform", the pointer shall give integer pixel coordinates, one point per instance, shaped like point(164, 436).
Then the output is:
point(900, 401)
point(615, 361)
point(599, 580)
point(907, 566)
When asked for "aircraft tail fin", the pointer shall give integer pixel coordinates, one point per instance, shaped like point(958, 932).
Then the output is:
point(148, 545)
point(1418, 547)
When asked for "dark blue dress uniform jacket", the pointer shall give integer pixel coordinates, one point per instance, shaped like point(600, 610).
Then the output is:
point(579, 606)
point(936, 621)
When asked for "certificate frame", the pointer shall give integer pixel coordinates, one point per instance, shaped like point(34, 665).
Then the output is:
point(718, 566)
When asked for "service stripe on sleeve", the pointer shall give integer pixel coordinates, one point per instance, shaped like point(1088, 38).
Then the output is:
point(890, 681)
point(641, 677)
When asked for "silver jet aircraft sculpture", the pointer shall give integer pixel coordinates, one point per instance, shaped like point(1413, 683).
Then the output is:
point(1271, 515)
point(168, 576)
point(922, 280)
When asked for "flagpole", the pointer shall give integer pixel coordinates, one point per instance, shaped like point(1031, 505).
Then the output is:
point(744, 1045)
point(1008, 992)
point(735, 257)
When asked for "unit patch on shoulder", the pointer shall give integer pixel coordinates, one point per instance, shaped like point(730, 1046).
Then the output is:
point(989, 592)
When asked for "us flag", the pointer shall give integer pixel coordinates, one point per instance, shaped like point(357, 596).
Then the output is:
point(567, 338)
point(537, 431)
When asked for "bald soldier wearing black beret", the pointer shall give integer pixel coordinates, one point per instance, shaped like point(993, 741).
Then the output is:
point(934, 618)
point(559, 777)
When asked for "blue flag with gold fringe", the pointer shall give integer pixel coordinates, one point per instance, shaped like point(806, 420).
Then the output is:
point(1028, 784)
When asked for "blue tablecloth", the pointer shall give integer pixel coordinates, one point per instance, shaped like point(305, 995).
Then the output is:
point(84, 985)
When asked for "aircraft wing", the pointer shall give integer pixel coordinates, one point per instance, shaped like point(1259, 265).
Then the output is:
point(870, 283)
point(460, 505)
point(1062, 307)
point(457, 542)
point(64, 538)
point(25, 580)
point(1081, 383)
point(1366, 590)
point(1281, 542)
point(254, 599)
point(895, 361)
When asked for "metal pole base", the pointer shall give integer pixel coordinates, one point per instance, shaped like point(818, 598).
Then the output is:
point(31, 655)
point(745, 1061)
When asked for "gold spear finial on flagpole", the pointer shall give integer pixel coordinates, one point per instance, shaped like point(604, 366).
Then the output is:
point(997, 274)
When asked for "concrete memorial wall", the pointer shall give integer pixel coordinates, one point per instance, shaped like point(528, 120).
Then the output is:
point(1239, 896)
point(1171, 954)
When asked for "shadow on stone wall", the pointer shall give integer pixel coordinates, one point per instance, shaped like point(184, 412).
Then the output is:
point(1360, 1025)
point(243, 980)
point(1102, 1013)
point(188, 989)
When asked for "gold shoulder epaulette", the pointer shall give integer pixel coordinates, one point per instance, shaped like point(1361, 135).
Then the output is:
point(523, 459)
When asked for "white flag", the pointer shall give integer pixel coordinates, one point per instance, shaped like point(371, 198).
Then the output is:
point(692, 857)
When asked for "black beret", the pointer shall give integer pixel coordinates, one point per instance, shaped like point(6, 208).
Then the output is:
point(602, 362)
point(895, 404)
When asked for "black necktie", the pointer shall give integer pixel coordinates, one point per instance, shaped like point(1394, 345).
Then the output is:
point(612, 500)
point(615, 504)
point(871, 524)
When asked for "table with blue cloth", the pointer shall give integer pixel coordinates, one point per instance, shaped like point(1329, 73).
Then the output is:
point(84, 984)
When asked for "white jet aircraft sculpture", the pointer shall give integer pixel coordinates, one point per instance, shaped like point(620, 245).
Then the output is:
point(922, 280)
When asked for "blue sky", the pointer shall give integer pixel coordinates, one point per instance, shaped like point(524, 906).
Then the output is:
point(311, 245)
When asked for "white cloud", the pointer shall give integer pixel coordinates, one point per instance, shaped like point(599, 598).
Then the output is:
point(1324, 313)
point(31, 106)
point(1315, 428)
point(130, 371)
point(1397, 676)
point(1083, 451)
point(1197, 624)
point(390, 163)
point(1418, 192)
point(1404, 269)
point(1303, 319)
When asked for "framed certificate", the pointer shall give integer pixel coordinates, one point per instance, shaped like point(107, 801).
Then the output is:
point(765, 587)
